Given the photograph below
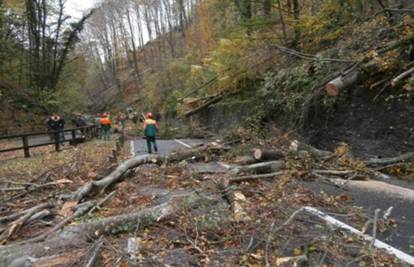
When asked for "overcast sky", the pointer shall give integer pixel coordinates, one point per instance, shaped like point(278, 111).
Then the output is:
point(76, 8)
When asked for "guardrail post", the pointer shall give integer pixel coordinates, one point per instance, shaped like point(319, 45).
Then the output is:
point(26, 146)
point(73, 137)
point(57, 141)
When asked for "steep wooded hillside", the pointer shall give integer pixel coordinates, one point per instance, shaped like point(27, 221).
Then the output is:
point(260, 62)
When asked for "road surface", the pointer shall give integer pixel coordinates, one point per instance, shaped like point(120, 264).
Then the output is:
point(400, 237)
point(139, 146)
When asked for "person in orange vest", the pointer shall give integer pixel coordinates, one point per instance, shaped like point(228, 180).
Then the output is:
point(150, 132)
point(106, 127)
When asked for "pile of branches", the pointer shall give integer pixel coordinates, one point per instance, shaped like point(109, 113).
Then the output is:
point(241, 201)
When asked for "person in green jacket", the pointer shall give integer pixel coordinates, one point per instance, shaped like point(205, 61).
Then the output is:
point(106, 127)
point(150, 132)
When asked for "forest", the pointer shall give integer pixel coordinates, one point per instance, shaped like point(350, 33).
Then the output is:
point(285, 133)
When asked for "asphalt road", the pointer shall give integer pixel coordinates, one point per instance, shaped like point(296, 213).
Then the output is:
point(139, 146)
point(400, 237)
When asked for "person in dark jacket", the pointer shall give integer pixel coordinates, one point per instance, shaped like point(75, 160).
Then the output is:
point(80, 121)
point(150, 132)
point(57, 124)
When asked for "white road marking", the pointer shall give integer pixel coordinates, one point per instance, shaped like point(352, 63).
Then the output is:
point(182, 143)
point(377, 243)
point(132, 146)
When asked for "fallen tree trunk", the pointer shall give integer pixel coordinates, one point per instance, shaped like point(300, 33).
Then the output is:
point(115, 176)
point(360, 71)
point(342, 82)
point(119, 173)
point(212, 100)
point(299, 146)
point(265, 155)
point(244, 160)
point(196, 153)
point(378, 187)
point(76, 235)
point(258, 168)
point(393, 160)
point(208, 103)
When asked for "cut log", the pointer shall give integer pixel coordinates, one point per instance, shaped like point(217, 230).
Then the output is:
point(292, 261)
point(258, 168)
point(386, 161)
point(299, 146)
point(244, 160)
point(340, 83)
point(76, 235)
point(360, 71)
point(264, 155)
point(195, 154)
point(381, 188)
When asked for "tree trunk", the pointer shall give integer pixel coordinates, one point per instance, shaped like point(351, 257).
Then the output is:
point(296, 17)
point(334, 87)
point(264, 155)
point(267, 7)
point(78, 235)
point(244, 160)
point(387, 161)
point(258, 168)
point(299, 146)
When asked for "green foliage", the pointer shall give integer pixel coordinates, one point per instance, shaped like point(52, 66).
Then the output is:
point(329, 23)
point(70, 100)
point(286, 89)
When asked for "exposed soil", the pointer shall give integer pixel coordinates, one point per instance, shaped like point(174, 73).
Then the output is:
point(371, 128)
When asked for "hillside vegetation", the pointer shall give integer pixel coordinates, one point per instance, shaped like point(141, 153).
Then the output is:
point(287, 127)
point(179, 57)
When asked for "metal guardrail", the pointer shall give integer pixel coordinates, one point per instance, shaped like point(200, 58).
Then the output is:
point(87, 132)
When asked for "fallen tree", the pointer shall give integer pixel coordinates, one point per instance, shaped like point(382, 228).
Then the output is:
point(361, 70)
point(119, 173)
point(77, 235)
point(298, 146)
point(267, 154)
point(244, 160)
point(258, 168)
point(393, 160)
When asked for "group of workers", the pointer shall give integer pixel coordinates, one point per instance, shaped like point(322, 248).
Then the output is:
point(104, 122)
